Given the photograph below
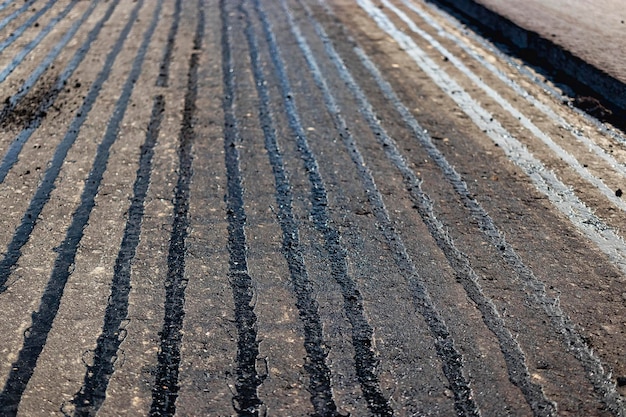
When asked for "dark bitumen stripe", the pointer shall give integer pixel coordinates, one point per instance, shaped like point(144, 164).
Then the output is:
point(92, 394)
point(165, 389)
point(12, 153)
point(35, 337)
point(164, 68)
point(20, 30)
point(19, 57)
point(513, 354)
point(4, 22)
point(320, 385)
point(5, 4)
point(42, 195)
point(444, 343)
point(600, 378)
point(197, 40)
point(246, 399)
point(365, 358)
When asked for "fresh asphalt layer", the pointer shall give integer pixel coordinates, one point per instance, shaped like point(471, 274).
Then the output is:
point(299, 207)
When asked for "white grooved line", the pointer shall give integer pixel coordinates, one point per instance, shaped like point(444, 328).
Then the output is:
point(526, 73)
point(541, 106)
point(544, 179)
point(525, 121)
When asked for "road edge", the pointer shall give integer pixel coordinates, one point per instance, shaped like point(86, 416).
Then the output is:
point(587, 79)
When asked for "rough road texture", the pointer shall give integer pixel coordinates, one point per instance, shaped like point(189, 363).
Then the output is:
point(299, 208)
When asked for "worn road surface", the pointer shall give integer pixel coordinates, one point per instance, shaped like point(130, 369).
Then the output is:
point(299, 208)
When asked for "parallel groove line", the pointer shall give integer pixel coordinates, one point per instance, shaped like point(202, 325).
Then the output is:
point(5, 4)
point(513, 354)
point(365, 358)
point(525, 72)
point(42, 194)
point(22, 28)
point(506, 105)
point(246, 399)
point(35, 337)
point(165, 390)
point(14, 149)
point(600, 378)
point(164, 68)
point(544, 179)
point(166, 387)
point(451, 358)
point(544, 108)
point(546, 182)
point(200, 26)
point(4, 22)
point(533, 286)
point(92, 394)
point(320, 386)
point(28, 48)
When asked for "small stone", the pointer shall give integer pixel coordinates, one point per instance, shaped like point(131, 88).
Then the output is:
point(621, 381)
point(618, 192)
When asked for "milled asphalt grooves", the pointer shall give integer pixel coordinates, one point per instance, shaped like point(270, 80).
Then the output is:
point(514, 357)
point(42, 195)
point(19, 57)
point(365, 358)
point(451, 358)
point(597, 375)
point(264, 59)
point(35, 338)
point(18, 32)
point(11, 102)
point(540, 51)
point(508, 106)
point(536, 289)
point(245, 398)
point(308, 308)
point(4, 22)
point(93, 392)
point(165, 389)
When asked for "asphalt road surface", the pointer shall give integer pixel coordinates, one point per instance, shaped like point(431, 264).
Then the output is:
point(299, 208)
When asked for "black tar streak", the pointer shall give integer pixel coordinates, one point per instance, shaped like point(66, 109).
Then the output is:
point(42, 195)
point(12, 153)
point(35, 337)
point(319, 373)
point(246, 400)
point(93, 392)
point(164, 67)
point(165, 389)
